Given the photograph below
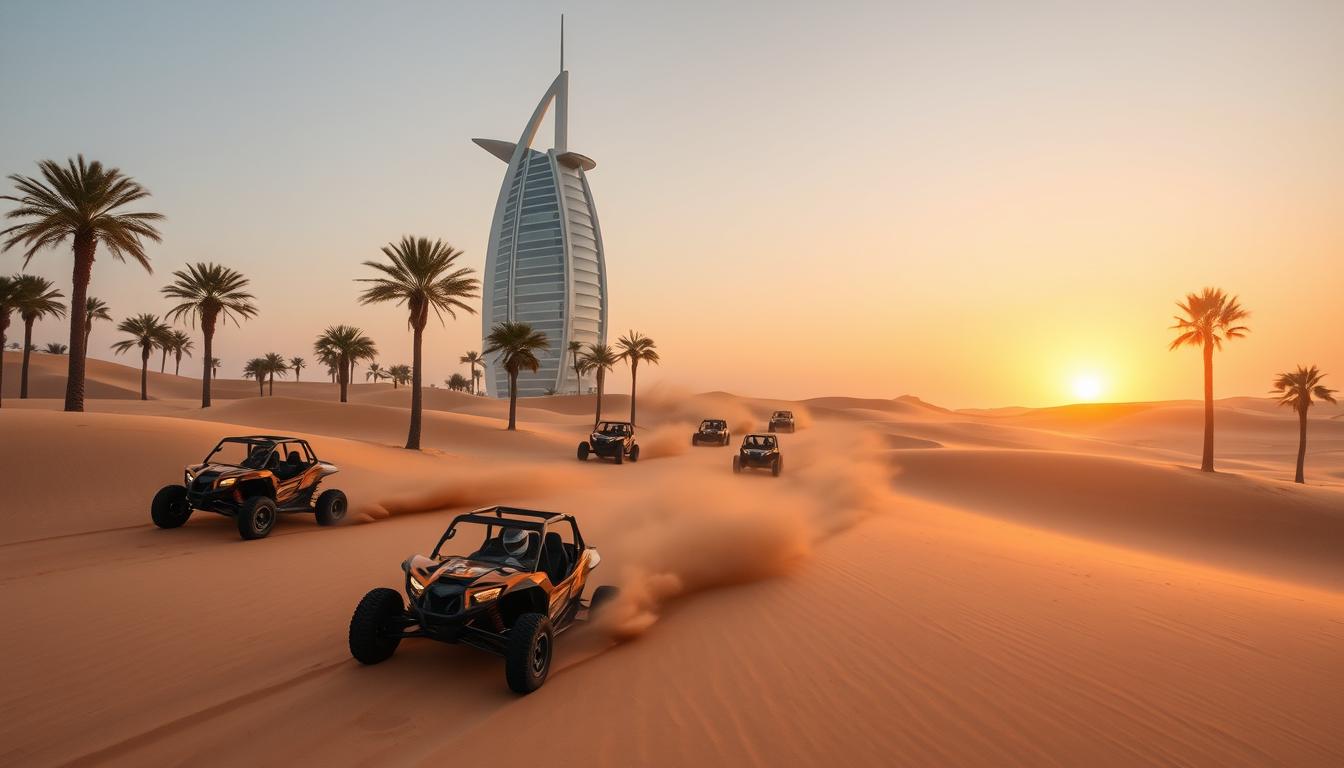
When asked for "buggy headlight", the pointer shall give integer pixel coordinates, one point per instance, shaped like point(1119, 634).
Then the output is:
point(416, 586)
point(226, 482)
point(485, 595)
point(190, 477)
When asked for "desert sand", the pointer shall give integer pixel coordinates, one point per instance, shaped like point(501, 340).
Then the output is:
point(920, 587)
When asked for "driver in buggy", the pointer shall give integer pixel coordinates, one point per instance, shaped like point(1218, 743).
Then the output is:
point(510, 548)
point(617, 430)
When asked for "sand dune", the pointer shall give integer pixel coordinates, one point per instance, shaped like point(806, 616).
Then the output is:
point(1044, 588)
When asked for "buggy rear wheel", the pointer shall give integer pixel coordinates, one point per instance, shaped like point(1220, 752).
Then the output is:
point(256, 518)
point(527, 656)
point(372, 636)
point(583, 451)
point(331, 506)
point(170, 508)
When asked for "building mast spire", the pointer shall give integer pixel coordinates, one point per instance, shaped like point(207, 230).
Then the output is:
point(562, 98)
point(562, 42)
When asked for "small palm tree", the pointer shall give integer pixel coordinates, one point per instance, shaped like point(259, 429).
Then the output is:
point(599, 358)
point(517, 345)
point(400, 374)
point(79, 202)
point(209, 292)
point(7, 292)
point(297, 364)
point(215, 365)
point(344, 345)
point(34, 299)
point(256, 369)
point(147, 333)
point(275, 365)
point(574, 349)
point(181, 345)
point(94, 309)
point(472, 359)
point(457, 382)
point(1210, 316)
point(635, 348)
point(55, 348)
point(1296, 390)
point(422, 275)
point(375, 373)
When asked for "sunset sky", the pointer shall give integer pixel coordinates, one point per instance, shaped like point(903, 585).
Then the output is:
point(982, 204)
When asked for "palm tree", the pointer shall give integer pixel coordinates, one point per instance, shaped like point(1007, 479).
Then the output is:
point(1297, 390)
point(34, 298)
point(256, 369)
point(55, 348)
point(147, 333)
point(297, 364)
point(400, 374)
point(457, 382)
point(423, 276)
point(94, 309)
point(209, 291)
point(181, 344)
point(1210, 316)
point(275, 363)
point(215, 365)
point(472, 359)
point(375, 373)
point(574, 349)
point(517, 344)
point(636, 347)
point(599, 358)
point(79, 202)
point(7, 293)
point(343, 345)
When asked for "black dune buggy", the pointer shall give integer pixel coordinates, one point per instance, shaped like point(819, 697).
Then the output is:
point(759, 452)
point(252, 479)
point(711, 431)
point(473, 590)
point(611, 440)
point(782, 421)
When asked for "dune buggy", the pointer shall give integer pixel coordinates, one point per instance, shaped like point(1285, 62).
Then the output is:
point(252, 479)
point(713, 431)
point(759, 452)
point(781, 421)
point(611, 440)
point(475, 590)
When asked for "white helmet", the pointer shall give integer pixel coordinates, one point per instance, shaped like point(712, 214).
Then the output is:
point(515, 541)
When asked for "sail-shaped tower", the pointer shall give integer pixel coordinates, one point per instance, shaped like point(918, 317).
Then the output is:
point(545, 264)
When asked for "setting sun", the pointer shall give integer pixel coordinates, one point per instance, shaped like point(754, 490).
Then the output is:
point(1087, 387)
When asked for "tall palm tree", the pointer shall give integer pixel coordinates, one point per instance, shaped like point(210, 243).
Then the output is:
point(422, 275)
point(635, 348)
point(599, 358)
point(375, 373)
point(1210, 317)
point(574, 349)
point(34, 299)
point(275, 364)
point(1296, 390)
point(7, 292)
point(256, 369)
point(94, 309)
point(297, 364)
point(209, 292)
point(79, 202)
point(473, 359)
point(147, 333)
point(55, 348)
point(181, 344)
point(343, 345)
point(517, 345)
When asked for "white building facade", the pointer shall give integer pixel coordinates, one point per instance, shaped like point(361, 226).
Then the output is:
point(545, 265)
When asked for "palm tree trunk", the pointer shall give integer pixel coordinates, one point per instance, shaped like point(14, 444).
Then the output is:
point(177, 366)
point(634, 371)
point(578, 377)
point(1301, 445)
point(144, 373)
point(272, 378)
point(85, 245)
point(27, 351)
point(208, 356)
point(413, 439)
point(88, 328)
point(343, 377)
point(163, 361)
point(297, 377)
point(601, 381)
point(513, 400)
point(261, 386)
point(1207, 464)
point(4, 327)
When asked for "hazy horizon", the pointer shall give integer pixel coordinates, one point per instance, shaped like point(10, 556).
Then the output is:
point(974, 205)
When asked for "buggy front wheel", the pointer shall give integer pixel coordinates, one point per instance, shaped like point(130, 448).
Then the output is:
point(256, 518)
point(373, 630)
point(634, 453)
point(170, 508)
point(777, 467)
point(583, 452)
point(737, 465)
point(527, 656)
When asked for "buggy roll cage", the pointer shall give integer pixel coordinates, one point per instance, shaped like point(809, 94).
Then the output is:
point(519, 519)
point(257, 441)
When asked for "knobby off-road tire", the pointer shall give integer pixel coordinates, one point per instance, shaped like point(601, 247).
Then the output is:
point(634, 453)
point(170, 508)
point(527, 657)
point(694, 441)
point(601, 596)
point(331, 507)
point(777, 467)
point(620, 455)
point(371, 638)
point(256, 518)
point(737, 465)
point(583, 452)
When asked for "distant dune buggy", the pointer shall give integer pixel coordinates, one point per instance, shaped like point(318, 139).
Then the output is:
point(611, 440)
point(502, 580)
point(759, 452)
point(782, 421)
point(252, 479)
point(711, 431)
